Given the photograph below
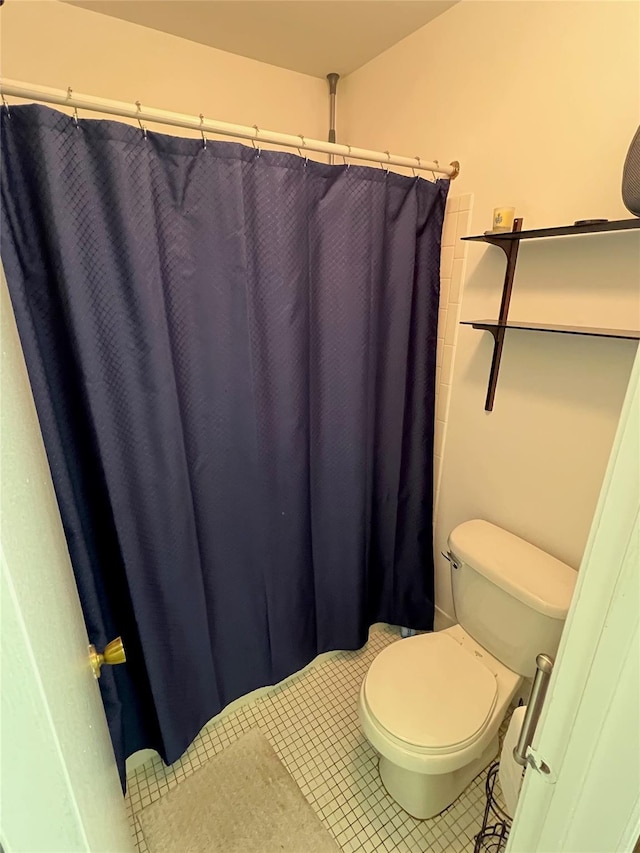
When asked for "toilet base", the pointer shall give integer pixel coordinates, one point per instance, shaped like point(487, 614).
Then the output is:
point(425, 795)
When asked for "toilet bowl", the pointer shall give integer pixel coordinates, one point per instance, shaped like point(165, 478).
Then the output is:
point(432, 704)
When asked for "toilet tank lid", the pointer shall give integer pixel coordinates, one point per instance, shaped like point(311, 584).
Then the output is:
point(532, 576)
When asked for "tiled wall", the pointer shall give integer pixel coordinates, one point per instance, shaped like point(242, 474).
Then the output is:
point(456, 224)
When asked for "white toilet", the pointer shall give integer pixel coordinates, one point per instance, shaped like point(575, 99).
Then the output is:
point(431, 705)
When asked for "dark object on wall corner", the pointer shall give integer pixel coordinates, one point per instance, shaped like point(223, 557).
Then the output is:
point(631, 177)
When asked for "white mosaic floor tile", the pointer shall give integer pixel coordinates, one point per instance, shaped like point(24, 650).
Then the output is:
point(311, 721)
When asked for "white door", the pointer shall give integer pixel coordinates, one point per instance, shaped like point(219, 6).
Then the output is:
point(59, 786)
point(589, 733)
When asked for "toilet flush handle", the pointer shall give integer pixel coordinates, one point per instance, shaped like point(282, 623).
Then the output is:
point(449, 556)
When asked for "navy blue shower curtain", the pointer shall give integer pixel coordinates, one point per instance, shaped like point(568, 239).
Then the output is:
point(232, 354)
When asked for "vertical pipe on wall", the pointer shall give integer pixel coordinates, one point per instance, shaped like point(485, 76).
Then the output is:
point(333, 86)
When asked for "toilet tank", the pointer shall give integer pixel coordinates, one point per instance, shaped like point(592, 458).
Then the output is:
point(510, 596)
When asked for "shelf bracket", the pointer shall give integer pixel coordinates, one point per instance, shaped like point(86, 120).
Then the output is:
point(510, 248)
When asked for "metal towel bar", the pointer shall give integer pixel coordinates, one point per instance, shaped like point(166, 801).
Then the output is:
point(534, 708)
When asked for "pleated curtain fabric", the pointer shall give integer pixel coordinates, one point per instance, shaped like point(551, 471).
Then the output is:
point(232, 355)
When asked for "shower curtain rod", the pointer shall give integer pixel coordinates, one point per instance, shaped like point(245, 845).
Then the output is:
point(257, 135)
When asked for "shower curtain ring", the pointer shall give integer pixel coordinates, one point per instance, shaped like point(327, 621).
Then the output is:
point(204, 138)
point(419, 166)
point(344, 158)
point(253, 141)
point(388, 162)
point(6, 105)
point(75, 109)
point(304, 142)
point(432, 172)
point(142, 127)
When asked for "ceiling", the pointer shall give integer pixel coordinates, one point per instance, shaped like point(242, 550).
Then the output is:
point(311, 36)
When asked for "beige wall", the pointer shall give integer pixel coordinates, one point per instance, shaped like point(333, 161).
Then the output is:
point(539, 102)
point(54, 44)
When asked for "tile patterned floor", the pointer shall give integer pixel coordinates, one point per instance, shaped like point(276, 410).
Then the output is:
point(311, 720)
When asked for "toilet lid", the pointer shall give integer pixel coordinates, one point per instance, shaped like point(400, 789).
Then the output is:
point(430, 692)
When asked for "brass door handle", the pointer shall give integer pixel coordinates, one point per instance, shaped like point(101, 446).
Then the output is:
point(114, 653)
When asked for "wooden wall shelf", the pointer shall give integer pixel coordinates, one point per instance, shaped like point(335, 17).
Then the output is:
point(509, 242)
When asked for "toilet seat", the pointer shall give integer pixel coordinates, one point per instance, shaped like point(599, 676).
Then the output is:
point(430, 693)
